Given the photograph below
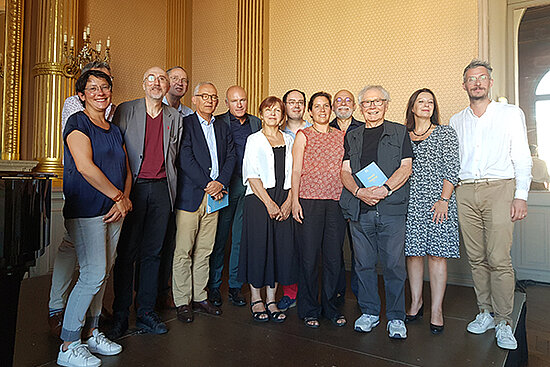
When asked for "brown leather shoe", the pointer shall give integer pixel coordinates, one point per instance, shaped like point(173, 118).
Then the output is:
point(56, 323)
point(185, 313)
point(165, 301)
point(207, 307)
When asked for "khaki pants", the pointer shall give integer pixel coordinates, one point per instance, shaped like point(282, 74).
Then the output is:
point(195, 235)
point(487, 229)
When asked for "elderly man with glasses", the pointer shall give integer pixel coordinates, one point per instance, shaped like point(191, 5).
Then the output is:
point(152, 132)
point(205, 166)
point(377, 213)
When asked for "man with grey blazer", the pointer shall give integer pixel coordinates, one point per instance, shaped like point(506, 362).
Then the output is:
point(152, 133)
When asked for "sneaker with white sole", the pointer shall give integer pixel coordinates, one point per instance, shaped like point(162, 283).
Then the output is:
point(99, 344)
point(483, 322)
point(505, 336)
point(77, 355)
point(365, 323)
point(397, 329)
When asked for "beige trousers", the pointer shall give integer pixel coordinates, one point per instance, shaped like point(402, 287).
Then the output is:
point(195, 235)
point(487, 230)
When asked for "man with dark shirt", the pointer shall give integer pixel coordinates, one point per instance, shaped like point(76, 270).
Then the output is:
point(377, 213)
point(241, 125)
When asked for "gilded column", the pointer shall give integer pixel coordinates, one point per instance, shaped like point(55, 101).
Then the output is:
point(252, 50)
point(51, 86)
point(13, 59)
point(179, 36)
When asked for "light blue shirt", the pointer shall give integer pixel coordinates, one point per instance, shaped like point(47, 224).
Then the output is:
point(288, 131)
point(182, 109)
point(210, 136)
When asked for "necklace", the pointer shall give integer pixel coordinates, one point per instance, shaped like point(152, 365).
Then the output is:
point(329, 130)
point(425, 132)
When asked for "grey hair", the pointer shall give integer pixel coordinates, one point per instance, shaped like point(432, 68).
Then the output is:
point(176, 67)
point(370, 87)
point(475, 63)
point(95, 65)
point(196, 90)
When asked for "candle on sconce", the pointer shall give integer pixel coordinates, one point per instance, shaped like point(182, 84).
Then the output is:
point(65, 38)
point(72, 41)
point(84, 35)
point(98, 46)
point(88, 29)
point(108, 43)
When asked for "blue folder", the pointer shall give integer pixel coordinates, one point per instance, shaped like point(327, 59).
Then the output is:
point(215, 205)
point(371, 175)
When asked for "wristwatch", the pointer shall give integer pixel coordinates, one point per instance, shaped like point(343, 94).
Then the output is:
point(388, 188)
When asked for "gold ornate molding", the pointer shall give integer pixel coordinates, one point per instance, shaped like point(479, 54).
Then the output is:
point(12, 80)
point(252, 50)
point(48, 68)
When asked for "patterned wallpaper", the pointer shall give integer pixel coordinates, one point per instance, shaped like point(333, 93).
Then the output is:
point(401, 44)
point(138, 39)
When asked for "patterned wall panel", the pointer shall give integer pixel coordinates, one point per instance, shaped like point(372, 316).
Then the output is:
point(215, 45)
point(138, 39)
point(402, 44)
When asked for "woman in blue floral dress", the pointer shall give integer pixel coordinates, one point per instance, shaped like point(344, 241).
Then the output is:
point(432, 219)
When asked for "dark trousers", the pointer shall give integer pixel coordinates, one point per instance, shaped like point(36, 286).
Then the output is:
point(320, 237)
point(167, 256)
point(342, 278)
point(141, 242)
point(381, 236)
point(230, 218)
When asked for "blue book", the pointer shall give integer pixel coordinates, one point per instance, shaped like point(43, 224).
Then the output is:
point(371, 175)
point(215, 205)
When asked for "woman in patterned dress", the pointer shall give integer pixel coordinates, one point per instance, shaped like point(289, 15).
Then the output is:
point(432, 219)
point(316, 187)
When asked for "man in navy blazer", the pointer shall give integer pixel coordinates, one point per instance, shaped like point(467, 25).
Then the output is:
point(241, 125)
point(205, 165)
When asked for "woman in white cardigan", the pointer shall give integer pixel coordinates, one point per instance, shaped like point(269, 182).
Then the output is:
point(267, 246)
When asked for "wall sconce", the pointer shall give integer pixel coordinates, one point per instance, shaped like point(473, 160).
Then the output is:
point(76, 61)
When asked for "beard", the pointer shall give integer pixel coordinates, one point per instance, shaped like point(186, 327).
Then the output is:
point(478, 97)
point(343, 112)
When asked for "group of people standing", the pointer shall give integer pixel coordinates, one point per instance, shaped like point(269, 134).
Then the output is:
point(141, 183)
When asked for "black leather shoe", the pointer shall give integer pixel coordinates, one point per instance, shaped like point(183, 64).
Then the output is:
point(185, 313)
point(215, 297)
point(419, 314)
point(151, 323)
point(436, 329)
point(207, 307)
point(236, 297)
point(120, 325)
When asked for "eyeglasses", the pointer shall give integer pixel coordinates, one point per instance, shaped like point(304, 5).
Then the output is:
point(175, 79)
point(206, 97)
point(343, 100)
point(475, 78)
point(375, 102)
point(293, 103)
point(151, 78)
point(95, 89)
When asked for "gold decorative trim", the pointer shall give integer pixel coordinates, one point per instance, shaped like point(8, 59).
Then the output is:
point(13, 61)
point(48, 68)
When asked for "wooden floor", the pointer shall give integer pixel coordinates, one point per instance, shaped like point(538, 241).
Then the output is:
point(234, 339)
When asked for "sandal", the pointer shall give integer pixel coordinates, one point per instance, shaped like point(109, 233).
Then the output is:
point(275, 316)
point(340, 318)
point(257, 315)
point(312, 322)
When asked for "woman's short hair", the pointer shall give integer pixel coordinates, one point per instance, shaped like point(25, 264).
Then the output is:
point(316, 95)
point(81, 82)
point(409, 115)
point(270, 102)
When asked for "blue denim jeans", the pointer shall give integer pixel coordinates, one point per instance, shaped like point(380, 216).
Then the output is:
point(230, 217)
point(95, 244)
point(380, 236)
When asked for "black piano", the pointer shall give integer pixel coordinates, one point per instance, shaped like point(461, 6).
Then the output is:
point(25, 203)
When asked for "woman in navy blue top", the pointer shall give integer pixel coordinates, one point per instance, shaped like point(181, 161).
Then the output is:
point(96, 185)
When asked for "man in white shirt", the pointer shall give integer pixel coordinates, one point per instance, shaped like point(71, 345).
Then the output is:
point(495, 173)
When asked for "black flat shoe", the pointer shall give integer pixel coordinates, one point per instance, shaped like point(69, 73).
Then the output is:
point(436, 329)
point(419, 314)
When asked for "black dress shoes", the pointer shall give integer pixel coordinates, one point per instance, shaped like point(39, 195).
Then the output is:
point(207, 307)
point(419, 314)
point(436, 329)
point(215, 297)
point(236, 297)
point(185, 313)
point(120, 325)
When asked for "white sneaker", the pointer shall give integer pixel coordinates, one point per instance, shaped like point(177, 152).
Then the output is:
point(505, 336)
point(365, 323)
point(99, 344)
point(77, 355)
point(397, 329)
point(483, 322)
